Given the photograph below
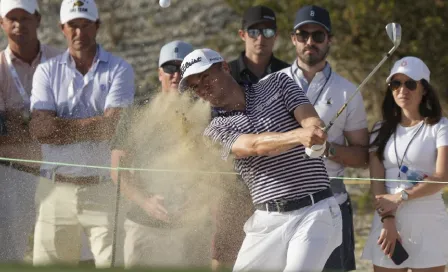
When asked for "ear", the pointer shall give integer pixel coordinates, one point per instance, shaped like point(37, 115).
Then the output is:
point(62, 27)
point(242, 34)
point(1, 22)
point(160, 74)
point(98, 23)
point(293, 39)
point(330, 39)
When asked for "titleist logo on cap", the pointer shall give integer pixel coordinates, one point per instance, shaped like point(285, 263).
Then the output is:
point(188, 64)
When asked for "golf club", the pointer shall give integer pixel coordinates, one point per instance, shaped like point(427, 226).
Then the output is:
point(394, 32)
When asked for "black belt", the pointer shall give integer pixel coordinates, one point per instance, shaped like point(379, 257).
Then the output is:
point(20, 167)
point(295, 204)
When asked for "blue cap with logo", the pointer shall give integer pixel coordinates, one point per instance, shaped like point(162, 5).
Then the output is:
point(313, 15)
point(175, 50)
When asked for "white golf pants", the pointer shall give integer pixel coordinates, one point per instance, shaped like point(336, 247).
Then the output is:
point(300, 240)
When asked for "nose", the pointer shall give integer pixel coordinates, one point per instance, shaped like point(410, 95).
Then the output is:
point(176, 76)
point(310, 40)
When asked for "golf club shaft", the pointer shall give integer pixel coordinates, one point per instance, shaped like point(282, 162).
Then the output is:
point(327, 127)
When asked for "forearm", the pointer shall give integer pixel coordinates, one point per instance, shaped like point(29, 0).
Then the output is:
point(426, 189)
point(89, 129)
point(377, 188)
point(49, 129)
point(128, 183)
point(349, 156)
point(271, 143)
point(130, 189)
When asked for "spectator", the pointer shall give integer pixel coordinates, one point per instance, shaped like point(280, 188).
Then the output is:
point(151, 238)
point(328, 91)
point(259, 33)
point(20, 21)
point(76, 101)
point(414, 134)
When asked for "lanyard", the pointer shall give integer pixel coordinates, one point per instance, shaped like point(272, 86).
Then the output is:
point(321, 89)
point(406, 149)
point(86, 79)
point(15, 76)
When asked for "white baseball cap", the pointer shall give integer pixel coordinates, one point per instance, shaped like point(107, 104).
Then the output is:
point(29, 6)
point(175, 50)
point(75, 9)
point(197, 62)
point(413, 67)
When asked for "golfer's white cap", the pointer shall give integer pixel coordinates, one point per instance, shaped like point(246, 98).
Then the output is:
point(76, 9)
point(197, 62)
point(29, 6)
point(413, 67)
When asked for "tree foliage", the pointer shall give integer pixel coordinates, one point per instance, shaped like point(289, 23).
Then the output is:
point(361, 41)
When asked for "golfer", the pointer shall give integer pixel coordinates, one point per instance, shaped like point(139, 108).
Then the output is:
point(265, 127)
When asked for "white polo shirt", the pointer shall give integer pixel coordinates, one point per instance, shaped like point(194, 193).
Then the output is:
point(328, 91)
point(58, 86)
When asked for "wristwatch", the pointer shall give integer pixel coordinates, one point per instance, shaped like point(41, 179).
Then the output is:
point(404, 195)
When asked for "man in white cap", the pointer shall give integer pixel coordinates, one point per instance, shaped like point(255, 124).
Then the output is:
point(150, 240)
point(265, 128)
point(20, 20)
point(170, 58)
point(76, 101)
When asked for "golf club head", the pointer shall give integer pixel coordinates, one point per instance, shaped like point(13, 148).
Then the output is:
point(394, 33)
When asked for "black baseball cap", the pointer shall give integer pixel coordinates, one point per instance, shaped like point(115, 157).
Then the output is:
point(313, 15)
point(258, 14)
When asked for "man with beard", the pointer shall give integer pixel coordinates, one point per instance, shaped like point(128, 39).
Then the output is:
point(328, 91)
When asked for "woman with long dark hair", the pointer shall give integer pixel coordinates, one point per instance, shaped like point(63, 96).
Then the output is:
point(412, 136)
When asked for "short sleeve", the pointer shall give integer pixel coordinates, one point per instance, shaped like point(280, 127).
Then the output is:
point(42, 96)
point(291, 93)
point(220, 132)
point(356, 114)
point(122, 90)
point(442, 134)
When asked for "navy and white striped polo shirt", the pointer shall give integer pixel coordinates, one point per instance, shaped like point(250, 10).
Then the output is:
point(269, 108)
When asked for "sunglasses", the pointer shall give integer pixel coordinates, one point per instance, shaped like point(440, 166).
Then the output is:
point(267, 32)
point(409, 84)
point(171, 68)
point(317, 36)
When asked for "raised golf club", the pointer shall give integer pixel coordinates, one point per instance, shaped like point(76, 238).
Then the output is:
point(394, 32)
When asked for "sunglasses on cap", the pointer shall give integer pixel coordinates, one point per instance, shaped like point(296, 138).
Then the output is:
point(267, 32)
point(171, 68)
point(317, 36)
point(409, 84)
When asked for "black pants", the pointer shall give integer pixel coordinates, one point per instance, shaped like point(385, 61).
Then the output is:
point(343, 257)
